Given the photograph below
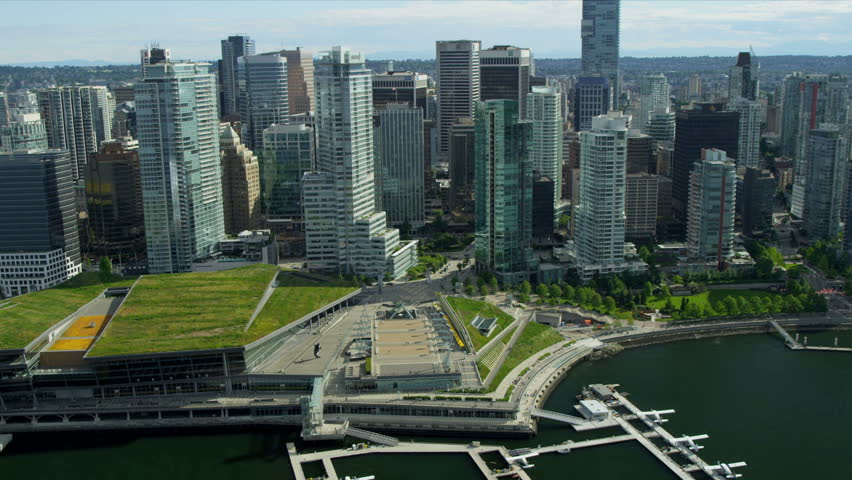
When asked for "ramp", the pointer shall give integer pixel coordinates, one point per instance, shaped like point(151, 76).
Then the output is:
point(372, 436)
point(559, 417)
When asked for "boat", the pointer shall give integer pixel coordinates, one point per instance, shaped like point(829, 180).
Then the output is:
point(368, 477)
point(564, 450)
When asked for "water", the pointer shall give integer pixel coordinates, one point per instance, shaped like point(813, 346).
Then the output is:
point(788, 414)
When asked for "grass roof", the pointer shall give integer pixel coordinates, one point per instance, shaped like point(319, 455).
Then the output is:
point(209, 310)
point(468, 308)
point(25, 317)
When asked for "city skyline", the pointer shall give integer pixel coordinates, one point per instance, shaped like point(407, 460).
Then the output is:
point(770, 27)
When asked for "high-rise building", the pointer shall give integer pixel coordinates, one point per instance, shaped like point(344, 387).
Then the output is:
point(114, 197)
point(641, 153)
point(39, 238)
point(661, 124)
point(599, 31)
point(5, 115)
point(828, 162)
point(758, 196)
point(748, 150)
point(544, 110)
point(504, 191)
point(653, 95)
point(591, 98)
point(153, 56)
point(707, 125)
point(744, 78)
point(398, 137)
point(542, 206)
point(457, 75)
point(300, 80)
point(263, 95)
point(712, 203)
point(396, 87)
point(504, 74)
point(77, 119)
point(344, 232)
point(124, 120)
point(599, 227)
point(24, 131)
point(462, 165)
point(289, 154)
point(694, 90)
point(233, 48)
point(240, 183)
point(641, 206)
point(180, 164)
point(809, 101)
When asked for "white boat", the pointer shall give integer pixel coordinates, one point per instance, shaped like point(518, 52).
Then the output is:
point(368, 477)
point(564, 450)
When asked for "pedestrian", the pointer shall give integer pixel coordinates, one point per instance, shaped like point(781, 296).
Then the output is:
point(316, 350)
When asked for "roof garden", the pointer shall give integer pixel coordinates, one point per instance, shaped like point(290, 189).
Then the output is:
point(25, 317)
point(209, 310)
point(468, 309)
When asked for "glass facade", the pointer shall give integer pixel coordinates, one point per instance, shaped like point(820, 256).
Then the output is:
point(504, 188)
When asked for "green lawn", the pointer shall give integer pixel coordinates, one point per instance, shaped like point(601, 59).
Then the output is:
point(24, 318)
point(295, 297)
point(535, 338)
point(467, 309)
point(712, 296)
point(186, 311)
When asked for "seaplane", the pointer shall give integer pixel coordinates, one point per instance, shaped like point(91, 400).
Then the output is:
point(655, 415)
point(689, 441)
point(519, 457)
point(726, 469)
point(368, 477)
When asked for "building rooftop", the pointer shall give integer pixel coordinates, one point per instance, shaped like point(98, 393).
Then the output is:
point(211, 310)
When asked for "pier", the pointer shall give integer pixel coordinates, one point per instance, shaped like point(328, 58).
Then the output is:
point(606, 416)
point(793, 343)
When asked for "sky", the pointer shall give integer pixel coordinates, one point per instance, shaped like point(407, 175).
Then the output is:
point(114, 31)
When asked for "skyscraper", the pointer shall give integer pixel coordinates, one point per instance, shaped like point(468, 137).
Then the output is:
point(39, 239)
point(300, 80)
point(600, 36)
point(653, 94)
point(399, 163)
point(641, 206)
point(153, 56)
point(591, 98)
point(504, 74)
point(744, 78)
point(600, 214)
point(748, 150)
point(24, 131)
point(504, 187)
point(758, 193)
point(661, 124)
point(114, 198)
point(180, 165)
point(344, 232)
point(77, 119)
point(457, 65)
point(288, 155)
point(462, 165)
point(694, 90)
point(395, 87)
point(712, 202)
point(545, 112)
point(233, 47)
point(828, 162)
point(705, 126)
point(263, 95)
point(240, 183)
point(641, 153)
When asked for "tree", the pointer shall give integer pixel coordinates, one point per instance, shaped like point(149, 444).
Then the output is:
point(483, 290)
point(470, 290)
point(648, 290)
point(105, 269)
point(388, 277)
point(492, 283)
point(732, 308)
point(526, 288)
point(555, 291)
point(669, 306)
point(665, 292)
point(595, 299)
point(677, 279)
point(693, 310)
point(644, 254)
point(542, 291)
point(568, 293)
point(609, 303)
point(564, 220)
point(764, 266)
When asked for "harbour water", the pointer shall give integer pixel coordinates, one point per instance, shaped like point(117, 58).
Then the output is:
point(788, 414)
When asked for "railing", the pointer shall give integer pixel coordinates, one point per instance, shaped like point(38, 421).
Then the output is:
point(372, 436)
point(559, 417)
